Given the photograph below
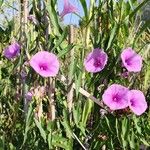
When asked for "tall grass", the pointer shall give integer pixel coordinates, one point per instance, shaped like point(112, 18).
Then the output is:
point(71, 115)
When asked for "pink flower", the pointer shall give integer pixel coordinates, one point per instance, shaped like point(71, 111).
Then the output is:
point(68, 8)
point(12, 50)
point(116, 97)
point(137, 102)
point(44, 63)
point(95, 61)
point(28, 96)
point(131, 60)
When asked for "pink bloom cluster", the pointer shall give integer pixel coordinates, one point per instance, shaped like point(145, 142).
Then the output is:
point(116, 96)
point(44, 63)
point(119, 97)
point(97, 59)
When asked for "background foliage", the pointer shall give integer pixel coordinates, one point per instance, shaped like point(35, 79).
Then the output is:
point(107, 24)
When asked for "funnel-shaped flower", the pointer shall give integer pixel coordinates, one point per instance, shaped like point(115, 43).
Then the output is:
point(116, 97)
point(137, 102)
point(68, 8)
point(12, 50)
point(95, 61)
point(131, 60)
point(44, 63)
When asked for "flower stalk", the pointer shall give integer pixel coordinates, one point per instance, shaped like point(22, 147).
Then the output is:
point(24, 30)
point(70, 86)
point(51, 81)
point(51, 93)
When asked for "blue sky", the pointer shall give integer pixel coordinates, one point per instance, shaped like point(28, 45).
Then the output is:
point(72, 18)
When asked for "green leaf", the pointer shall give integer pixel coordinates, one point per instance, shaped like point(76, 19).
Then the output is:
point(136, 121)
point(1, 2)
point(78, 78)
point(1, 144)
point(131, 4)
point(61, 38)
point(108, 123)
point(125, 131)
point(65, 50)
point(112, 35)
point(137, 9)
point(18, 63)
point(84, 6)
point(133, 145)
point(144, 142)
point(59, 141)
point(118, 129)
point(11, 146)
point(66, 124)
point(86, 111)
point(50, 140)
point(50, 5)
point(28, 122)
point(144, 27)
point(147, 77)
point(42, 132)
point(112, 144)
point(125, 127)
point(76, 115)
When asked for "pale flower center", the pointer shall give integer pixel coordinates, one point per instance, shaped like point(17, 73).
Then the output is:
point(12, 50)
point(115, 98)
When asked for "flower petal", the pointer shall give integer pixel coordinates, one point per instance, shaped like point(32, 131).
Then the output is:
point(49, 62)
point(95, 61)
point(12, 50)
point(68, 8)
point(137, 102)
point(131, 60)
point(116, 97)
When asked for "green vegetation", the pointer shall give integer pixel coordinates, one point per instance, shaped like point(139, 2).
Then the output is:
point(50, 120)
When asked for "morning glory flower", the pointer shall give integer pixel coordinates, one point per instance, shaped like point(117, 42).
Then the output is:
point(137, 102)
point(12, 50)
point(68, 8)
point(45, 63)
point(116, 97)
point(95, 61)
point(131, 60)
